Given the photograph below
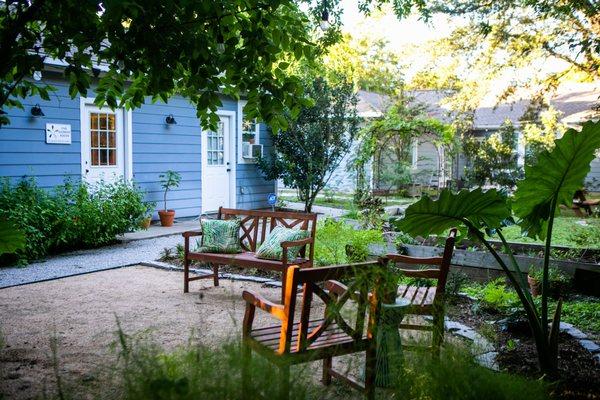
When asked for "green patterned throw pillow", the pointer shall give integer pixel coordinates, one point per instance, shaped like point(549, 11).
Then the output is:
point(220, 236)
point(271, 248)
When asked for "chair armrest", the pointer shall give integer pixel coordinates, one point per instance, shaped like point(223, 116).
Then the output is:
point(300, 242)
point(188, 234)
point(338, 289)
point(256, 300)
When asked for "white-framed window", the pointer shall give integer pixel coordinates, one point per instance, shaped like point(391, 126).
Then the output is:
point(249, 136)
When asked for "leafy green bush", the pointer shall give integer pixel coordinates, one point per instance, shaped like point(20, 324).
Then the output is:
point(371, 212)
point(35, 213)
point(72, 216)
point(106, 211)
point(337, 242)
point(456, 282)
point(404, 238)
point(494, 296)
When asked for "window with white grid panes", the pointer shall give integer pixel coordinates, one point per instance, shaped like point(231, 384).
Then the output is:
point(103, 139)
point(215, 146)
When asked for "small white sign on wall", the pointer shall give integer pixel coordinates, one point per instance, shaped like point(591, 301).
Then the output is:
point(58, 133)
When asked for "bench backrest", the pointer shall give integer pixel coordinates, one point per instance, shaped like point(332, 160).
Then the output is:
point(257, 224)
point(360, 293)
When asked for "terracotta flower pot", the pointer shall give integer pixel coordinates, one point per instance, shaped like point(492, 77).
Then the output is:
point(145, 224)
point(534, 285)
point(166, 217)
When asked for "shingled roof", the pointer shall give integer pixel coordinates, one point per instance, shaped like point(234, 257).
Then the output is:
point(577, 102)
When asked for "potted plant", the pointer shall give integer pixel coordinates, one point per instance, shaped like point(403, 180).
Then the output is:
point(558, 281)
point(147, 219)
point(169, 180)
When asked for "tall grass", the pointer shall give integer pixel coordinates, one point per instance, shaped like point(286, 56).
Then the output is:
point(145, 370)
point(456, 376)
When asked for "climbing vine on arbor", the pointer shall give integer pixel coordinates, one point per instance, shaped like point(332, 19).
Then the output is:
point(389, 140)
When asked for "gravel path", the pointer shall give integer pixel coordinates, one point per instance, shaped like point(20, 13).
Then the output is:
point(84, 261)
point(340, 212)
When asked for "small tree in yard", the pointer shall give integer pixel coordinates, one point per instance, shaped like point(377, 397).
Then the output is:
point(312, 147)
point(169, 180)
point(494, 158)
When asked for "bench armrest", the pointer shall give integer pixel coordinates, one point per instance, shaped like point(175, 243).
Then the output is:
point(300, 242)
point(257, 300)
point(336, 287)
point(188, 234)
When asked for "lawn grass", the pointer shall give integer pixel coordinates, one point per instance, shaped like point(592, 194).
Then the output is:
point(562, 233)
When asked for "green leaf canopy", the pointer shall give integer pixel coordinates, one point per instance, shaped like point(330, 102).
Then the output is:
point(555, 177)
point(475, 208)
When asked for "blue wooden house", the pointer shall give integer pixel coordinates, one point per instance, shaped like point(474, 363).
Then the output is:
point(67, 138)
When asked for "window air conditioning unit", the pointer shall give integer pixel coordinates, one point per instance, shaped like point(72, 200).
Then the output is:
point(252, 150)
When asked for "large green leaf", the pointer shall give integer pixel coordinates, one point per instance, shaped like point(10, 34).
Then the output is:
point(555, 178)
point(11, 239)
point(481, 209)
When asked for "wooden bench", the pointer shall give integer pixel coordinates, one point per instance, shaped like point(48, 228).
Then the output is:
point(305, 339)
point(255, 227)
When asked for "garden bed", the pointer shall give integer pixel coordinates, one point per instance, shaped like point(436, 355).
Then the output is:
point(579, 371)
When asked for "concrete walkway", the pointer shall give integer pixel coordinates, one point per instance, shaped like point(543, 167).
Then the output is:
point(130, 252)
point(156, 231)
point(340, 212)
point(326, 211)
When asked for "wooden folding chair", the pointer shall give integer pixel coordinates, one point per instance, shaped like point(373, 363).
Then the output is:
point(426, 300)
point(306, 339)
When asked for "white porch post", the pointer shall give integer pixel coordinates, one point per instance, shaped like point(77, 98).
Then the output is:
point(520, 149)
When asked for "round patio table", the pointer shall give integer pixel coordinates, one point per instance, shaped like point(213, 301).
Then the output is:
point(389, 344)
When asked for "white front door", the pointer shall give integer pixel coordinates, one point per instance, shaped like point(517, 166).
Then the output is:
point(216, 167)
point(102, 144)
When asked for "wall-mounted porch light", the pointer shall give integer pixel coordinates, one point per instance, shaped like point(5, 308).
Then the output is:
point(220, 43)
point(36, 111)
point(324, 18)
point(170, 120)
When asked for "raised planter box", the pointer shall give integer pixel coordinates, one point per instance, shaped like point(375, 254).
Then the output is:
point(483, 259)
point(587, 275)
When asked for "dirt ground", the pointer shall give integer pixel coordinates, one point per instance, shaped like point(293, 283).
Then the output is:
point(81, 312)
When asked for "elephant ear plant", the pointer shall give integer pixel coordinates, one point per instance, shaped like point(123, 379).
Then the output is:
point(549, 183)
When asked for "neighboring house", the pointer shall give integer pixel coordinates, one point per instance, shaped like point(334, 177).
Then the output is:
point(430, 163)
point(76, 140)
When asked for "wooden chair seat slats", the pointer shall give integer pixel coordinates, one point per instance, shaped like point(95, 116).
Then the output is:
point(333, 335)
point(255, 226)
point(419, 296)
